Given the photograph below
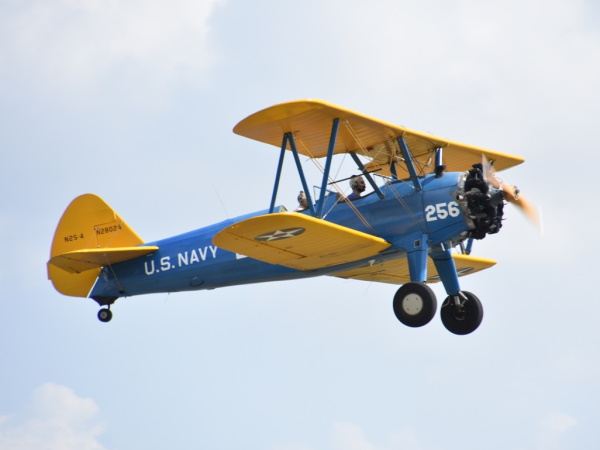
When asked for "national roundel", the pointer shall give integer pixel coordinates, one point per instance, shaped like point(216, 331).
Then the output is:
point(278, 235)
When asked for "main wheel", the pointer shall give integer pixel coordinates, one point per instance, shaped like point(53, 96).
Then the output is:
point(463, 318)
point(415, 304)
point(104, 315)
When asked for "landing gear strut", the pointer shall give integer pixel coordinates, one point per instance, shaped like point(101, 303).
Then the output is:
point(415, 304)
point(104, 315)
point(462, 313)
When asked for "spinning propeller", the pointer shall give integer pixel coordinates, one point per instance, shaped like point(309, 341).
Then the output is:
point(511, 193)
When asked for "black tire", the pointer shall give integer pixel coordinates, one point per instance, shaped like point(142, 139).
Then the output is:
point(465, 319)
point(415, 304)
point(104, 315)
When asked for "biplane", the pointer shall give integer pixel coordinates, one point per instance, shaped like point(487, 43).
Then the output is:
point(431, 198)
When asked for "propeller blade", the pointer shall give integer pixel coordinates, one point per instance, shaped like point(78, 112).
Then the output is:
point(512, 194)
point(489, 174)
point(528, 209)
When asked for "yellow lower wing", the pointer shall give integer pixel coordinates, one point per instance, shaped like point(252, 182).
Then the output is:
point(298, 241)
point(396, 271)
point(79, 261)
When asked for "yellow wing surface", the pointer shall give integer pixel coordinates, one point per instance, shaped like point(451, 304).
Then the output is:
point(298, 241)
point(396, 271)
point(310, 123)
point(81, 260)
point(305, 243)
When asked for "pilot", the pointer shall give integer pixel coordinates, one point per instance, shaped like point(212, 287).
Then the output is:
point(302, 202)
point(357, 183)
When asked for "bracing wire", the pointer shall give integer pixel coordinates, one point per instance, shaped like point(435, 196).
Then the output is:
point(423, 169)
point(337, 188)
point(398, 197)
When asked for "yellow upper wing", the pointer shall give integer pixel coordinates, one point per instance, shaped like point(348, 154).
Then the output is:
point(396, 271)
point(298, 241)
point(310, 122)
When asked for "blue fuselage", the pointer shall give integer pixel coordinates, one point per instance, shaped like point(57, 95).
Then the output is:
point(191, 261)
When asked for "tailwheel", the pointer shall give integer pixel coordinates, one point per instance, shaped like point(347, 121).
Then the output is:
point(462, 314)
point(415, 304)
point(104, 315)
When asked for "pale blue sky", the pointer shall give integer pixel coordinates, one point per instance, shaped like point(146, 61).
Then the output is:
point(135, 101)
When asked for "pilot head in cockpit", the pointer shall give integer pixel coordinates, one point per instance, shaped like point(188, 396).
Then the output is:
point(357, 183)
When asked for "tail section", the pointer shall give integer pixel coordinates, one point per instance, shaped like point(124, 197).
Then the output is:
point(90, 235)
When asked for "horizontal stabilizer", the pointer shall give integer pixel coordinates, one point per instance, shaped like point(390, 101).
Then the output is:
point(298, 241)
point(397, 272)
point(79, 261)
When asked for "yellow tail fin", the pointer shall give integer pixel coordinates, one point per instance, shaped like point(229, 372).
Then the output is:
point(89, 224)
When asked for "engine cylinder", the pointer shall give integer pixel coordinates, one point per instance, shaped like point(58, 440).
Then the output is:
point(484, 203)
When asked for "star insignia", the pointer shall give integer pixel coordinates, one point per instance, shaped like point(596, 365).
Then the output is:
point(278, 235)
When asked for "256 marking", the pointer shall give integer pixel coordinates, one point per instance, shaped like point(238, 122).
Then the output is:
point(440, 211)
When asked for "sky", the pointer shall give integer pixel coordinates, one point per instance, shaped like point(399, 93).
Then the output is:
point(135, 101)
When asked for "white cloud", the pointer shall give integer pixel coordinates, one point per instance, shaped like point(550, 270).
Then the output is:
point(80, 42)
point(552, 428)
point(558, 422)
point(294, 447)
point(349, 436)
point(58, 419)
